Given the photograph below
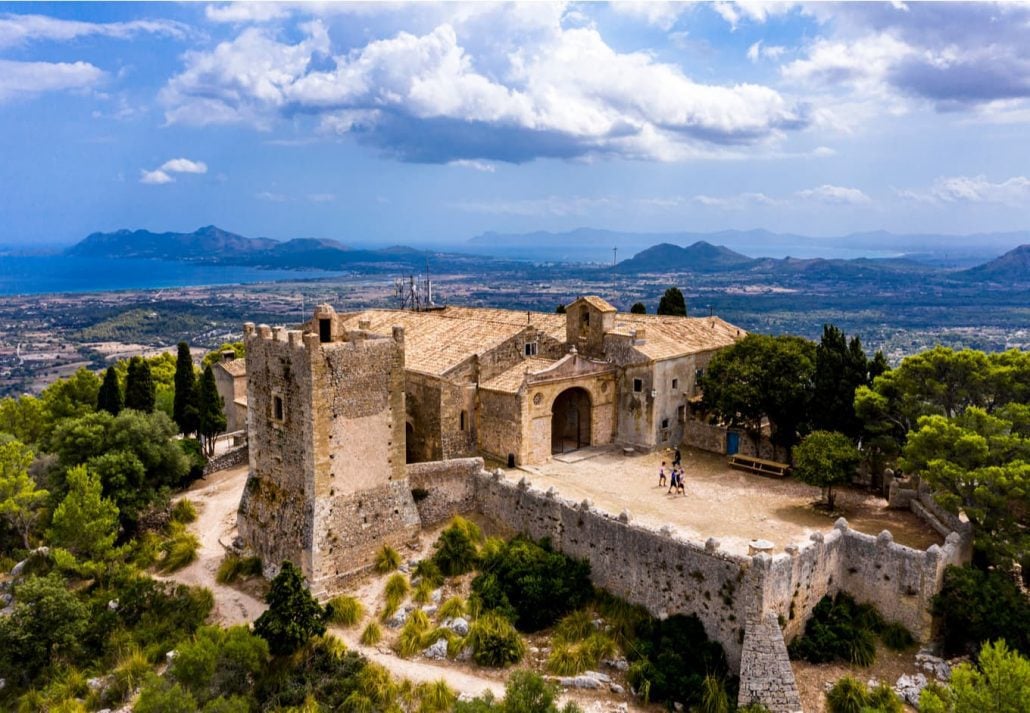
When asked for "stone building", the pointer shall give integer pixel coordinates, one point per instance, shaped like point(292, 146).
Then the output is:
point(327, 484)
point(231, 382)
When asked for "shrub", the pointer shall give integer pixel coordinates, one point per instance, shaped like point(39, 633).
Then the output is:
point(575, 626)
point(895, 636)
point(840, 630)
point(532, 584)
point(160, 697)
point(435, 697)
point(672, 658)
point(423, 592)
point(851, 696)
point(566, 659)
point(452, 608)
point(179, 550)
point(456, 551)
point(494, 641)
point(344, 610)
point(234, 567)
point(410, 642)
point(129, 673)
point(713, 696)
point(387, 560)
point(397, 587)
point(293, 616)
point(977, 606)
point(428, 570)
point(318, 672)
point(219, 661)
point(184, 511)
point(160, 614)
point(372, 634)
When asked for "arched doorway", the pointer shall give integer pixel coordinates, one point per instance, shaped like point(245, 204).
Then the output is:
point(570, 421)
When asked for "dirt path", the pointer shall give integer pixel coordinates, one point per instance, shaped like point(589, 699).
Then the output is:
point(217, 498)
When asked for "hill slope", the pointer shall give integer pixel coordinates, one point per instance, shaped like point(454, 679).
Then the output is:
point(702, 256)
point(1012, 267)
point(206, 244)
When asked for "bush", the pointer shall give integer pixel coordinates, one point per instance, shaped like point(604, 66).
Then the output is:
point(319, 671)
point(219, 662)
point(452, 608)
point(456, 551)
point(840, 630)
point(531, 584)
point(423, 592)
point(160, 697)
point(184, 511)
point(428, 571)
point(578, 645)
point(410, 641)
point(713, 696)
point(234, 567)
point(161, 614)
point(896, 637)
point(851, 696)
point(494, 641)
point(179, 550)
point(387, 560)
point(293, 616)
point(396, 590)
point(344, 610)
point(977, 606)
point(435, 697)
point(372, 634)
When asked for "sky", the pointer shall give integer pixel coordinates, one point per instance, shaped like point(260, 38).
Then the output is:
point(435, 122)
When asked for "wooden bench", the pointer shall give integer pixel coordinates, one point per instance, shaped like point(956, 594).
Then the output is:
point(759, 466)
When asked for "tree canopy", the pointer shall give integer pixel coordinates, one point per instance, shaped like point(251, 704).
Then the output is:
point(109, 398)
point(638, 308)
point(672, 303)
point(825, 459)
point(21, 501)
point(999, 682)
point(293, 616)
point(140, 392)
point(211, 411)
point(759, 377)
point(85, 523)
point(841, 367)
point(184, 410)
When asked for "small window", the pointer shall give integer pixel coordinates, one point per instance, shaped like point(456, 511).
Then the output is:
point(675, 384)
point(463, 420)
point(638, 385)
point(665, 423)
point(325, 330)
point(586, 317)
point(531, 348)
point(681, 414)
point(277, 408)
point(698, 373)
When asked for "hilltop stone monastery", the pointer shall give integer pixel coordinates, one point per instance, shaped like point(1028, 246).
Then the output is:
point(364, 428)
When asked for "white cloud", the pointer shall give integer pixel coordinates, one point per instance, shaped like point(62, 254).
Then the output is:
point(662, 15)
point(760, 50)
point(18, 29)
point(840, 195)
point(561, 93)
point(1014, 191)
point(757, 11)
point(482, 166)
point(184, 165)
point(156, 177)
point(245, 12)
point(26, 79)
point(162, 174)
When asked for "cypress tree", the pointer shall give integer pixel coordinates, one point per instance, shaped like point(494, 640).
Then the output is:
point(109, 398)
point(211, 416)
point(673, 303)
point(140, 392)
point(184, 408)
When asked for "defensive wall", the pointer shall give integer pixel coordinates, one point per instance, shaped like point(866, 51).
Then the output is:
point(752, 605)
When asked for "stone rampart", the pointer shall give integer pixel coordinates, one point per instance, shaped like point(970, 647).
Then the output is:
point(229, 459)
point(442, 489)
point(656, 569)
point(765, 673)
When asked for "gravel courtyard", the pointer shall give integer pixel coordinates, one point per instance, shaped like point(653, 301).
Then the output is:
point(720, 502)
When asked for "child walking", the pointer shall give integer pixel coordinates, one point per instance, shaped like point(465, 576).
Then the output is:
point(661, 475)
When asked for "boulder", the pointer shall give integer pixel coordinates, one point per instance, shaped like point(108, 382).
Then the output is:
point(458, 625)
point(437, 650)
point(909, 688)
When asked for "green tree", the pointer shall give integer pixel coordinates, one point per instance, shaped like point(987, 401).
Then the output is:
point(638, 308)
point(293, 616)
point(999, 683)
point(73, 396)
point(158, 696)
point(840, 368)
point(762, 377)
point(672, 303)
point(212, 411)
point(185, 412)
point(560, 309)
point(220, 661)
point(85, 523)
point(25, 418)
point(109, 398)
point(975, 606)
point(979, 463)
point(215, 355)
point(44, 628)
point(825, 459)
point(21, 501)
point(140, 392)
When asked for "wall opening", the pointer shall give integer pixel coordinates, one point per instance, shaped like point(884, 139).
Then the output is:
point(409, 443)
point(570, 421)
point(325, 330)
point(638, 385)
point(277, 408)
point(463, 421)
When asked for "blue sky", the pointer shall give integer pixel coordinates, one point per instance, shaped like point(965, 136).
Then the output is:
point(394, 122)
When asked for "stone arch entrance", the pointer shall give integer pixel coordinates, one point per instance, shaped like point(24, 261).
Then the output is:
point(570, 420)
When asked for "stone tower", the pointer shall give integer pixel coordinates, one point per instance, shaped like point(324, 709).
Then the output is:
point(327, 484)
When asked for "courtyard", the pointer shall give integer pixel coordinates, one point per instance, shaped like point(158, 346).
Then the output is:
point(733, 506)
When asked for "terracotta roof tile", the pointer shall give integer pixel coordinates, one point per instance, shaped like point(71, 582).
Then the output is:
point(236, 367)
point(511, 380)
point(667, 337)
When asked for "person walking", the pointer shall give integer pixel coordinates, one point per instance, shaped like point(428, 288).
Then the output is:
point(681, 487)
point(672, 481)
point(661, 475)
point(677, 458)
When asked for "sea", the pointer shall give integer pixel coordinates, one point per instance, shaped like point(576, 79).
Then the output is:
point(48, 274)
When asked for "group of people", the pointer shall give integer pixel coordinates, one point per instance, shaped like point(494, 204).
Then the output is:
point(676, 474)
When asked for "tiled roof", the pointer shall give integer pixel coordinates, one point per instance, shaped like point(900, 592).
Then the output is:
point(667, 337)
point(437, 341)
point(236, 367)
point(511, 380)
point(598, 303)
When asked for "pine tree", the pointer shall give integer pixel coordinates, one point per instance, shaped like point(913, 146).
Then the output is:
point(184, 408)
point(673, 303)
point(211, 416)
point(109, 398)
point(293, 615)
point(140, 392)
point(638, 308)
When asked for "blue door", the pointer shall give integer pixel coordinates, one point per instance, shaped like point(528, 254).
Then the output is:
point(732, 442)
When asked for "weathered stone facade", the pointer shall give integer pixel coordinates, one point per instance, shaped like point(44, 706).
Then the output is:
point(327, 485)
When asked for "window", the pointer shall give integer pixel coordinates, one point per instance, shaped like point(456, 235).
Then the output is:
point(638, 385)
point(675, 384)
point(585, 318)
point(681, 414)
point(463, 420)
point(277, 408)
point(325, 330)
point(698, 373)
point(531, 348)
point(665, 423)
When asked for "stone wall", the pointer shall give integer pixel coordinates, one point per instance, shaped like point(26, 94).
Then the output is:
point(656, 569)
point(229, 459)
point(499, 424)
point(443, 489)
point(712, 438)
point(422, 409)
point(765, 673)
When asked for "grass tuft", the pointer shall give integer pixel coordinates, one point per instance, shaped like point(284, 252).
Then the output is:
point(179, 550)
point(344, 610)
point(452, 608)
point(423, 593)
point(372, 634)
point(234, 567)
point(387, 560)
point(435, 697)
point(184, 511)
